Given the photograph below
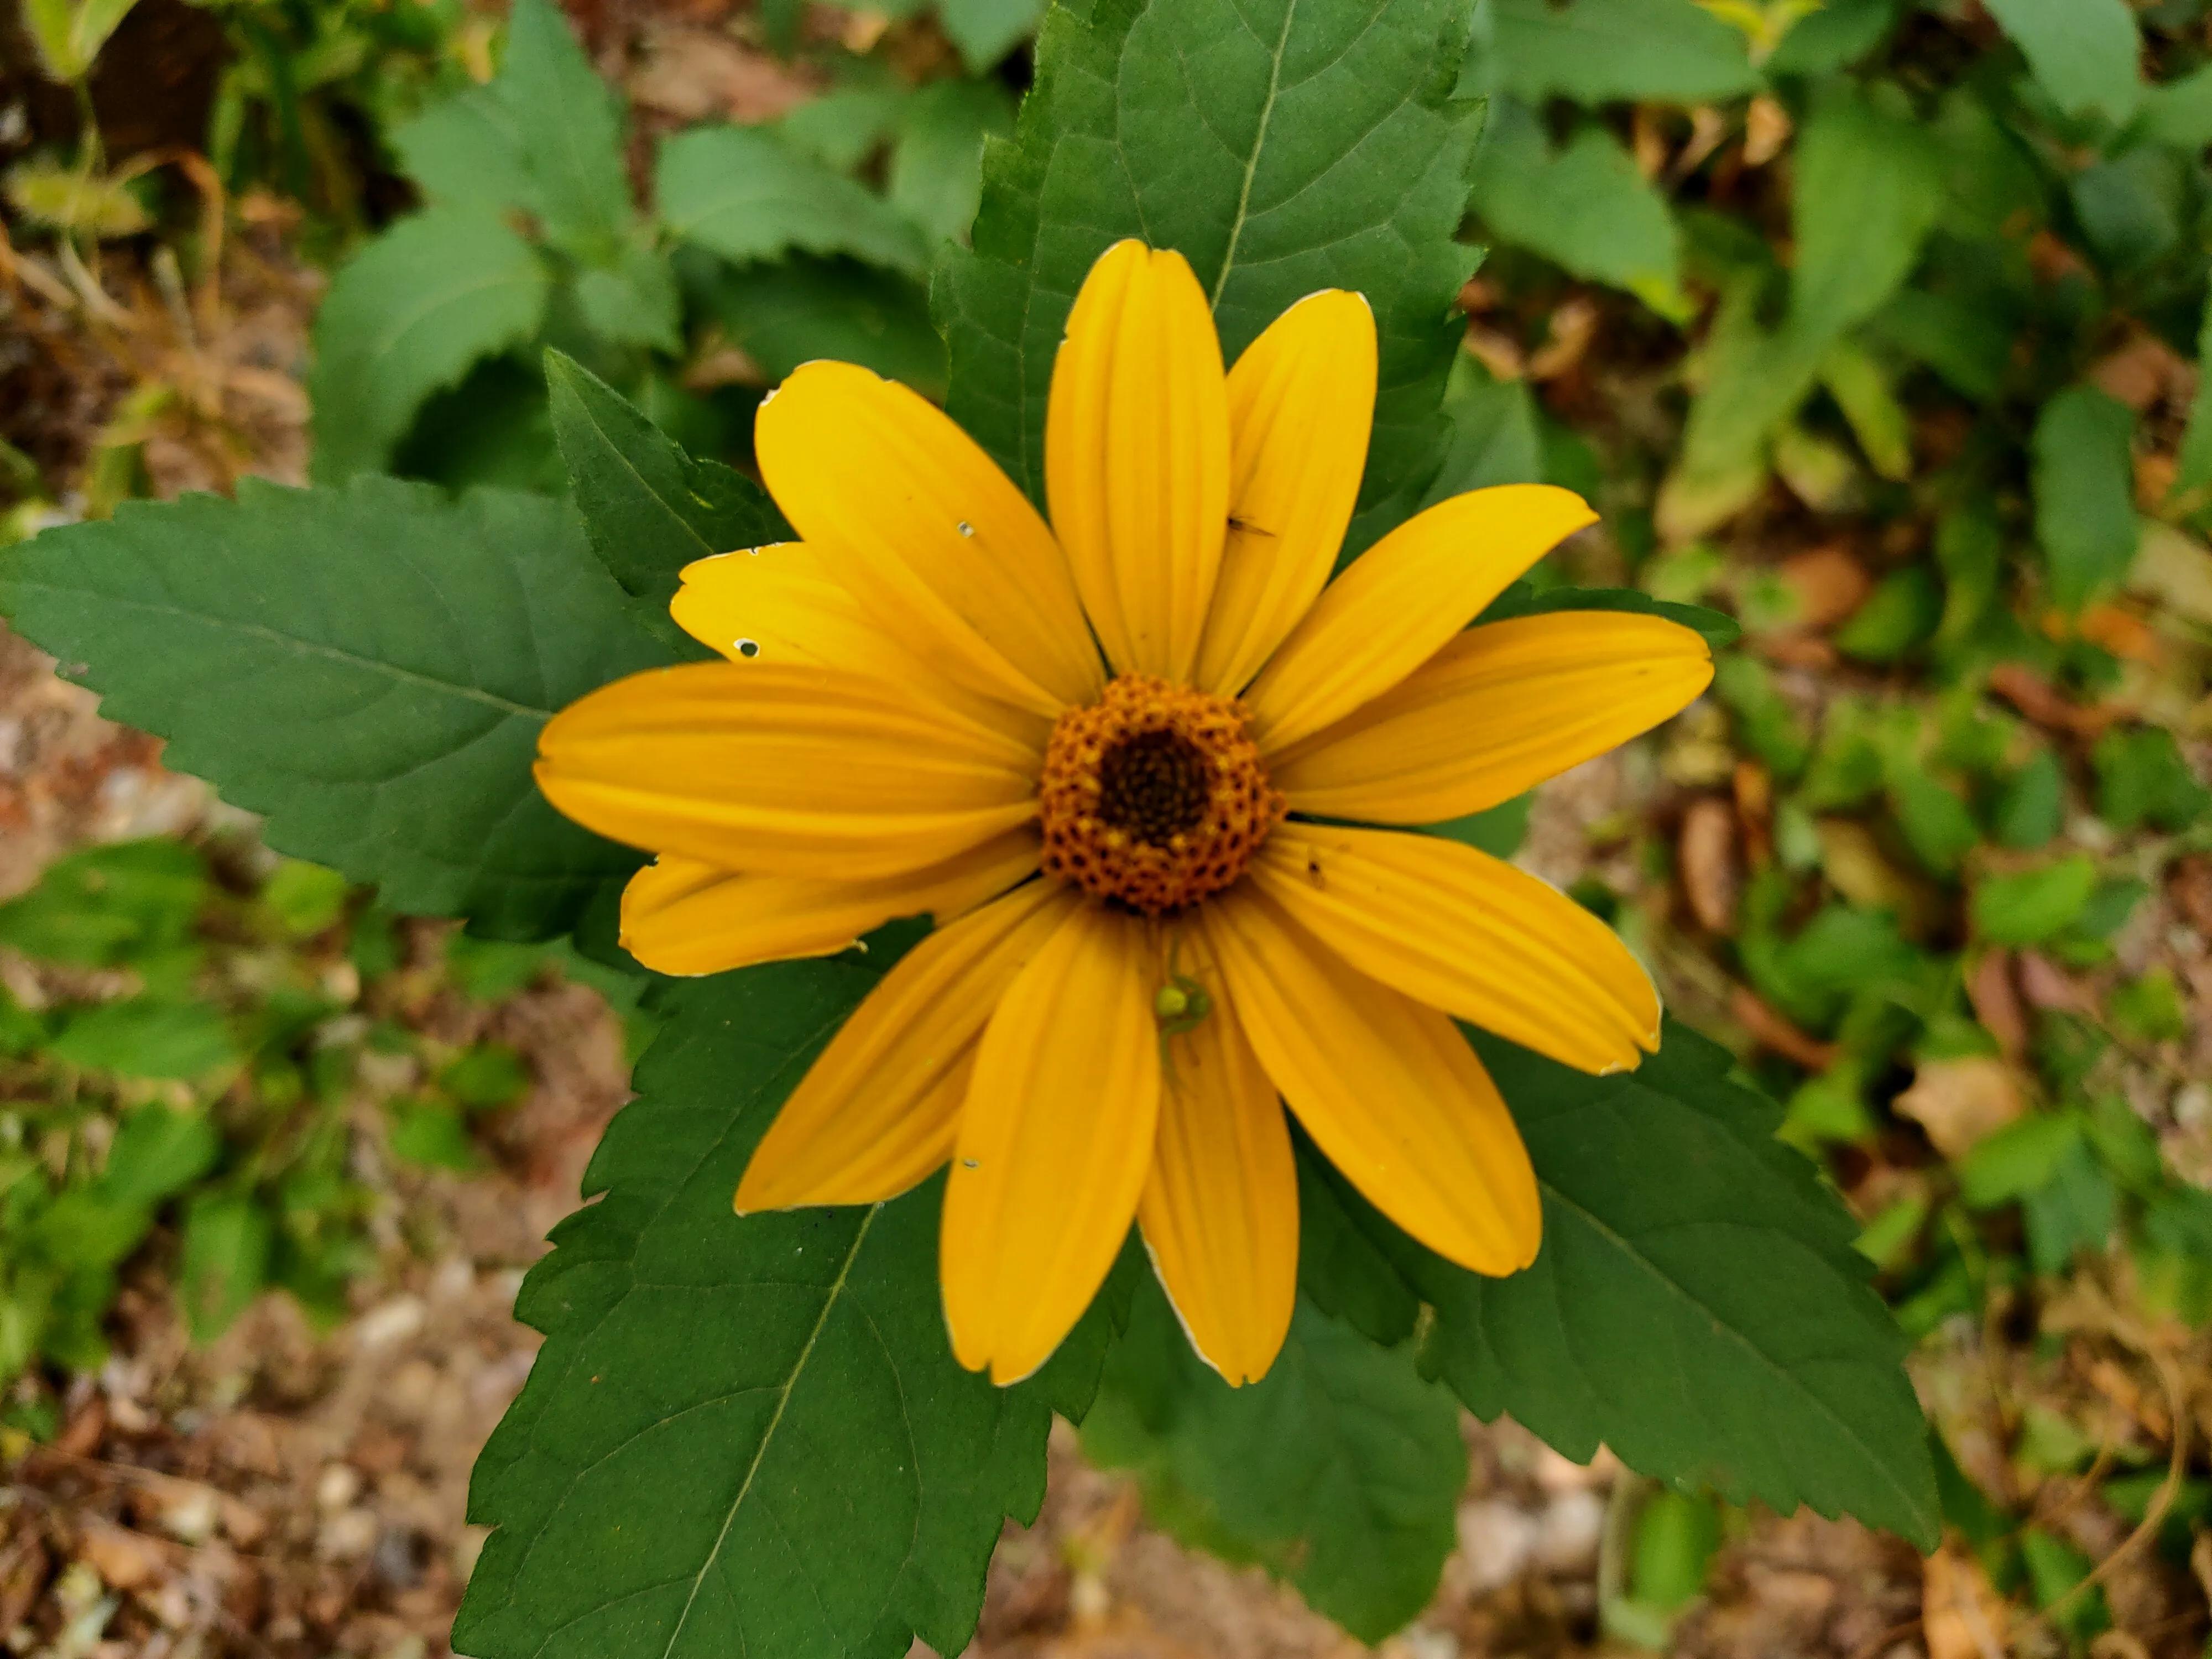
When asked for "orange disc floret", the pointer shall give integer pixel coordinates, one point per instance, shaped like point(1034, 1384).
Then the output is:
point(1154, 797)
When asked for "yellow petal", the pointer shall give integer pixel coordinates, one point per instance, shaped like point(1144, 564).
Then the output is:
point(1453, 927)
point(1054, 1143)
point(1498, 710)
point(1390, 1090)
point(782, 604)
point(1220, 1208)
point(937, 545)
point(1136, 457)
point(778, 604)
point(876, 1112)
point(680, 916)
point(1301, 404)
point(1399, 603)
point(783, 768)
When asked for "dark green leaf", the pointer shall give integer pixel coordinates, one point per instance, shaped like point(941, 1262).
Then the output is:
point(741, 1435)
point(1282, 147)
point(1607, 51)
point(1340, 1470)
point(743, 193)
point(2083, 52)
point(369, 667)
point(2085, 508)
point(409, 315)
point(648, 508)
point(1696, 1305)
point(797, 310)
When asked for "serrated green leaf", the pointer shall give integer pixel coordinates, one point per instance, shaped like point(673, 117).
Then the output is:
point(987, 30)
point(465, 152)
point(1696, 1305)
point(743, 1435)
point(570, 130)
point(408, 316)
point(2084, 53)
point(1584, 206)
point(798, 309)
point(937, 164)
point(1598, 52)
point(1282, 147)
point(743, 193)
point(648, 508)
point(631, 299)
point(380, 700)
point(2084, 479)
point(1340, 1470)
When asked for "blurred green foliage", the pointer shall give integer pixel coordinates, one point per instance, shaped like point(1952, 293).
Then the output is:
point(216, 1062)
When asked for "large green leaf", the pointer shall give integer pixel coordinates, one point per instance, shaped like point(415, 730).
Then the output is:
point(1582, 205)
point(648, 508)
point(1340, 1470)
point(1604, 50)
point(408, 316)
point(2084, 478)
point(1282, 146)
point(2083, 52)
point(742, 1436)
point(743, 193)
point(368, 666)
point(1696, 1305)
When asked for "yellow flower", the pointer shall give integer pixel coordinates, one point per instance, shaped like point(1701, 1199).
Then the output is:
point(1113, 758)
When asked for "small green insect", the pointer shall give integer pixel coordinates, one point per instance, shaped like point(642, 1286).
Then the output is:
point(1180, 1007)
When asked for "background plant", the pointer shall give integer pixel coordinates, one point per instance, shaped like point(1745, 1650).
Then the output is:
point(1869, 324)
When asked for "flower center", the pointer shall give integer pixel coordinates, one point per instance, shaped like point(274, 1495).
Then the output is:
point(1153, 797)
